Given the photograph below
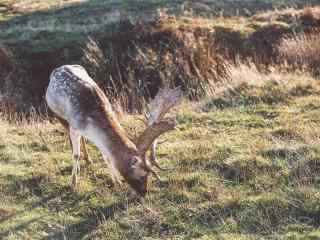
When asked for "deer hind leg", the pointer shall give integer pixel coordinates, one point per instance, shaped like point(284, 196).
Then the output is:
point(76, 151)
point(84, 150)
point(65, 125)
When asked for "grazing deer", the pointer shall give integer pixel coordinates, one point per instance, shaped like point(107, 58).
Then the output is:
point(85, 111)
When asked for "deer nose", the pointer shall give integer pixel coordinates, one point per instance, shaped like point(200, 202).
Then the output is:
point(143, 193)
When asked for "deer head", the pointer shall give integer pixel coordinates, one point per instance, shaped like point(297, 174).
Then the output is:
point(157, 125)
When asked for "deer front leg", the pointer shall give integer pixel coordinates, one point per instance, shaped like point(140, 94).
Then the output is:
point(86, 156)
point(114, 172)
point(76, 151)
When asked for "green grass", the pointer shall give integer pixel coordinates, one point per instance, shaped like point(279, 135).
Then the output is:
point(247, 169)
point(55, 24)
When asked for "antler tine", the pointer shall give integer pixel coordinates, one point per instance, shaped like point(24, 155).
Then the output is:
point(153, 157)
point(162, 142)
point(154, 173)
point(163, 102)
point(154, 163)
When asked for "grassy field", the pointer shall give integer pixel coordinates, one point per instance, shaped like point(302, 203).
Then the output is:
point(53, 24)
point(246, 166)
point(245, 162)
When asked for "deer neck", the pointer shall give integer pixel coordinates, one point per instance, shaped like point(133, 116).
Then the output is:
point(115, 143)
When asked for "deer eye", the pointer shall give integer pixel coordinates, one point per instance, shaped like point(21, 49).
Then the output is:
point(143, 178)
point(134, 161)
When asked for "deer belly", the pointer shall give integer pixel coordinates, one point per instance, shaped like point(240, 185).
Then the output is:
point(96, 135)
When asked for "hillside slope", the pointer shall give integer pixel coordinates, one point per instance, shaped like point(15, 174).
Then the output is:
point(137, 56)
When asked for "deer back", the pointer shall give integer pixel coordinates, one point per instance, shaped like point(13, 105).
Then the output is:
point(75, 97)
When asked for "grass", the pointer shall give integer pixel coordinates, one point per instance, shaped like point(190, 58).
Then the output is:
point(245, 162)
point(245, 170)
point(296, 52)
point(59, 23)
point(56, 24)
point(138, 58)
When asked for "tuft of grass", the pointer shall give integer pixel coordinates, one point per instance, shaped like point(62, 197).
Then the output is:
point(248, 86)
point(302, 51)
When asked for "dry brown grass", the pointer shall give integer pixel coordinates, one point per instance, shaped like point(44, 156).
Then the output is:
point(247, 86)
point(131, 71)
point(302, 52)
point(289, 15)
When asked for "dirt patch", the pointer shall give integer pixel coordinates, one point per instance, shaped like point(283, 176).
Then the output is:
point(230, 43)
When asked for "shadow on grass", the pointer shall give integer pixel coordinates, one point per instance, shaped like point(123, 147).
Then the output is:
point(55, 198)
point(287, 135)
point(34, 189)
point(287, 157)
point(264, 216)
point(306, 173)
point(89, 224)
point(20, 227)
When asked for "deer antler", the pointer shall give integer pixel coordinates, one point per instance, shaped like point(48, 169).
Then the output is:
point(162, 103)
point(153, 155)
point(153, 150)
point(157, 124)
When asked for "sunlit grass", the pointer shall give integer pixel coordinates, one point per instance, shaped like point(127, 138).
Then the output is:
point(249, 170)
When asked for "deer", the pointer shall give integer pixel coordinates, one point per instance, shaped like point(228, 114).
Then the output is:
point(86, 113)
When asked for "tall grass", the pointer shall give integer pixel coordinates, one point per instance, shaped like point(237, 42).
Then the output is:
point(132, 71)
point(302, 52)
point(247, 86)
